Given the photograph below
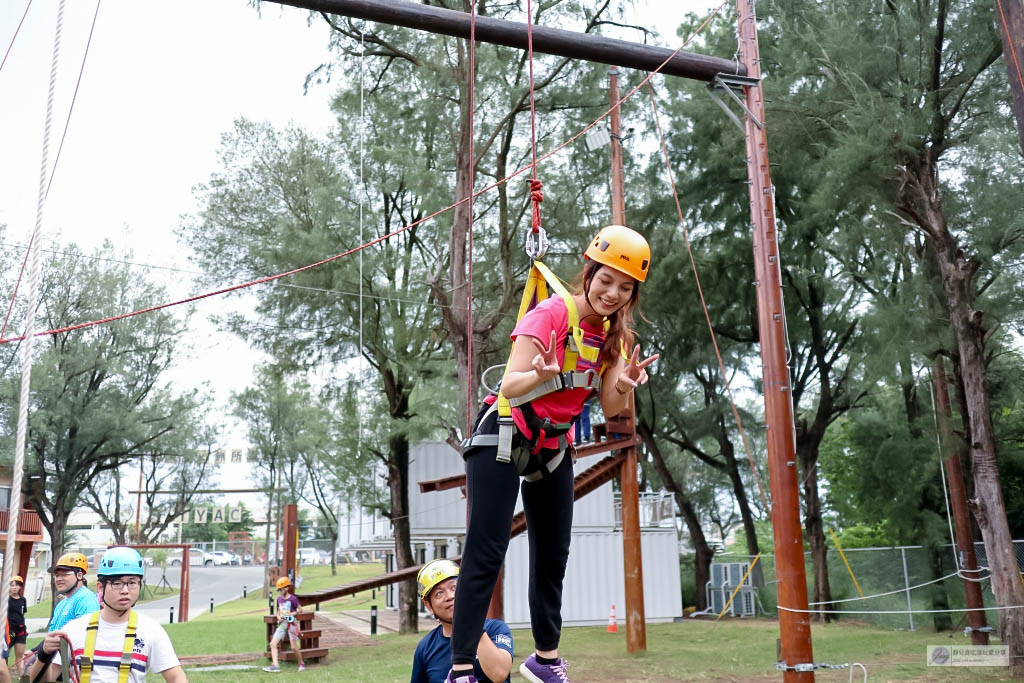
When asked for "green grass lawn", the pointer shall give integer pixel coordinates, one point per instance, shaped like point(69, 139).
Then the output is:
point(733, 650)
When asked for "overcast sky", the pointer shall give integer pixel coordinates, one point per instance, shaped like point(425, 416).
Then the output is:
point(162, 82)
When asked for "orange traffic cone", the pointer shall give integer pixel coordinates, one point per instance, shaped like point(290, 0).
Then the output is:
point(612, 626)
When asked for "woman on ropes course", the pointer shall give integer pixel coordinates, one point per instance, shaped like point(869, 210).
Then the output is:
point(564, 349)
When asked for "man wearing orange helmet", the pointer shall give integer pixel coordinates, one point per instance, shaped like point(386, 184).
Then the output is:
point(69, 578)
point(594, 322)
point(287, 606)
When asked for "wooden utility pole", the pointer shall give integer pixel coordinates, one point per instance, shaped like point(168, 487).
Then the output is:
point(958, 501)
point(796, 657)
point(632, 556)
point(1010, 21)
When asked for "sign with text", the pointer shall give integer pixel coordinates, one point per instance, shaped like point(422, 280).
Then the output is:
point(214, 515)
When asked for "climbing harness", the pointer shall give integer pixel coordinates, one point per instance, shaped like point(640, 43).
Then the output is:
point(125, 666)
point(532, 461)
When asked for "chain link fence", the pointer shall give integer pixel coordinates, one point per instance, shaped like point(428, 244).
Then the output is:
point(895, 582)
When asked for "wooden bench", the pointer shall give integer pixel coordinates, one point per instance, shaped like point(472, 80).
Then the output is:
point(309, 644)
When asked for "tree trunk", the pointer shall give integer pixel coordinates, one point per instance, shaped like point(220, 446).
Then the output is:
point(939, 595)
point(398, 477)
point(1010, 21)
point(749, 531)
point(815, 530)
point(988, 505)
point(703, 553)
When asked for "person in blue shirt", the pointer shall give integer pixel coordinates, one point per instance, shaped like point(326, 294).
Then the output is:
point(69, 578)
point(433, 659)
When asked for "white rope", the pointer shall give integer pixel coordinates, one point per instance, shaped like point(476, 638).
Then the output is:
point(30, 320)
point(897, 611)
point(900, 590)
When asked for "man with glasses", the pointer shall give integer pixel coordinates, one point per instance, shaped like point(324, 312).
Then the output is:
point(72, 586)
point(115, 644)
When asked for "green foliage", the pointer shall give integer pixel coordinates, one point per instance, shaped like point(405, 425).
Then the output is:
point(99, 396)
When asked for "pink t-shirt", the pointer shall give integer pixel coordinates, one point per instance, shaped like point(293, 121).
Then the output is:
point(558, 406)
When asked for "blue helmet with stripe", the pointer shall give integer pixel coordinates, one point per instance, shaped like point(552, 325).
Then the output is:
point(121, 561)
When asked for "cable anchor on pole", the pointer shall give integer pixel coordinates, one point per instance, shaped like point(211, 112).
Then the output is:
point(729, 83)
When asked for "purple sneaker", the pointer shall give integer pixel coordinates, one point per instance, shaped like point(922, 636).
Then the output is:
point(467, 678)
point(532, 670)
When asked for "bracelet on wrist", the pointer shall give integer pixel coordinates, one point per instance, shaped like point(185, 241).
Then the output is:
point(44, 657)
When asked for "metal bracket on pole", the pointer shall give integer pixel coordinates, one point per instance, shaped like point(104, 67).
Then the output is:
point(729, 83)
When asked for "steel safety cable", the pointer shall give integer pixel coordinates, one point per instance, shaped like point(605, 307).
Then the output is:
point(497, 183)
point(362, 195)
point(14, 37)
point(703, 302)
point(942, 472)
point(30, 319)
point(472, 182)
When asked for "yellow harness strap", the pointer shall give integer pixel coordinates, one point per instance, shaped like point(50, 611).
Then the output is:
point(535, 291)
point(125, 667)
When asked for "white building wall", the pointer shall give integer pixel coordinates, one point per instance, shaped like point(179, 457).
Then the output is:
point(595, 579)
point(435, 512)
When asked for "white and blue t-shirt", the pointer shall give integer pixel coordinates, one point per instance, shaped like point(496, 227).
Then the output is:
point(152, 651)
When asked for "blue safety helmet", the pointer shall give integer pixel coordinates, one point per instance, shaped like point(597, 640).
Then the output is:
point(121, 561)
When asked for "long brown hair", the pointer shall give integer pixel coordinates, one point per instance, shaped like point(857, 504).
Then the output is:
point(620, 323)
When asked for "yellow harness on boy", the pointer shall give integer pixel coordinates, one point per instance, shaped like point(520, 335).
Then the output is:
point(125, 666)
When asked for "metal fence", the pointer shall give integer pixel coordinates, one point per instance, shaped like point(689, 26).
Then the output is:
point(896, 582)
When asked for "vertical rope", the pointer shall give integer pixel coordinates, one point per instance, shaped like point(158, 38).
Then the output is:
point(535, 185)
point(472, 185)
point(30, 318)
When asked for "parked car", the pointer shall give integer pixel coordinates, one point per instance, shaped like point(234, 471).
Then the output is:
point(308, 556)
point(223, 557)
point(196, 558)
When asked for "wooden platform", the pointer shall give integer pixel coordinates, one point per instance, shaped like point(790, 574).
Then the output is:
point(309, 644)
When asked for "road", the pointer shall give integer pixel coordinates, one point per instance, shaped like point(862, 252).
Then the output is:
point(220, 583)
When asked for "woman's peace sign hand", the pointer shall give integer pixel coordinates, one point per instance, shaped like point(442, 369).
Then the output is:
point(545, 363)
point(633, 375)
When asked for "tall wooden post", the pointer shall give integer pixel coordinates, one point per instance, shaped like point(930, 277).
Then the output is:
point(632, 557)
point(958, 501)
point(291, 540)
point(796, 656)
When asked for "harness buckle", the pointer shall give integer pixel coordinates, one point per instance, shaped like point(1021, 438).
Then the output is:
point(506, 429)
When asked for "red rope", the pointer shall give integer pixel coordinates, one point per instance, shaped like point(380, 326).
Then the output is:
point(1009, 41)
point(9, 47)
point(535, 185)
point(17, 282)
point(536, 196)
point(704, 304)
point(473, 195)
point(472, 178)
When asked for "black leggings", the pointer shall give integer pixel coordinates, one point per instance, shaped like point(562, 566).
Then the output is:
point(492, 490)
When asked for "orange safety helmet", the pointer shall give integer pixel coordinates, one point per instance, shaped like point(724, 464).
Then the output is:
point(283, 582)
point(623, 249)
point(76, 561)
